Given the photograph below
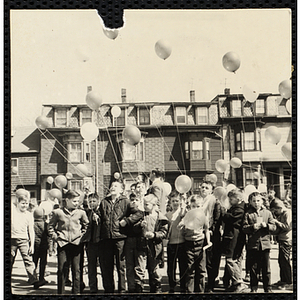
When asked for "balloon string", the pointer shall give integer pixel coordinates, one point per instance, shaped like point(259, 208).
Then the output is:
point(165, 142)
point(181, 151)
point(57, 140)
point(263, 170)
point(21, 181)
point(84, 175)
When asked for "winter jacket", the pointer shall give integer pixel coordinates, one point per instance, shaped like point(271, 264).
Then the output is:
point(258, 239)
point(93, 231)
point(233, 236)
point(68, 227)
point(284, 229)
point(154, 247)
point(41, 237)
point(112, 213)
point(157, 189)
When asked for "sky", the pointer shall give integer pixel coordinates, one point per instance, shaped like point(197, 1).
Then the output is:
point(48, 49)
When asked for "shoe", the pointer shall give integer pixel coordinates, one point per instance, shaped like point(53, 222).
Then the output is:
point(289, 287)
point(239, 288)
point(138, 289)
point(247, 278)
point(171, 291)
point(68, 282)
point(269, 290)
point(278, 283)
point(40, 283)
point(32, 280)
point(82, 286)
point(209, 291)
point(253, 291)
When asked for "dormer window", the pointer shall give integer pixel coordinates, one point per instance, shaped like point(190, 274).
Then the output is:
point(260, 106)
point(236, 108)
point(121, 119)
point(144, 116)
point(181, 115)
point(85, 116)
point(202, 115)
point(61, 117)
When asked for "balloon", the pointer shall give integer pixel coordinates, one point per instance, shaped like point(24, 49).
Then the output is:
point(183, 184)
point(22, 192)
point(230, 187)
point(60, 181)
point(42, 122)
point(89, 131)
point(50, 179)
point(220, 192)
point(249, 189)
point(69, 175)
point(262, 188)
point(250, 92)
point(93, 100)
point(115, 111)
point(131, 135)
point(82, 170)
point(194, 218)
point(235, 162)
point(288, 106)
point(55, 193)
point(213, 178)
point(256, 175)
point(231, 61)
point(273, 135)
point(117, 175)
point(47, 206)
point(286, 150)
point(14, 170)
point(111, 33)
point(167, 188)
point(221, 165)
point(285, 89)
point(163, 49)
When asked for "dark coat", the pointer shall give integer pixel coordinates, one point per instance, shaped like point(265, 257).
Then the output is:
point(233, 237)
point(261, 237)
point(112, 213)
point(93, 231)
point(41, 237)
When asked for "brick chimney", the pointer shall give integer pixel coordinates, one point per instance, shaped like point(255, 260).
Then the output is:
point(227, 91)
point(192, 96)
point(123, 95)
point(89, 88)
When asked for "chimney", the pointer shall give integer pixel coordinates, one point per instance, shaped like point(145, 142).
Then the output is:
point(123, 95)
point(89, 88)
point(227, 91)
point(192, 96)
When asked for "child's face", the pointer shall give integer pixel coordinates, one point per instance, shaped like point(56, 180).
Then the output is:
point(73, 202)
point(206, 189)
point(195, 204)
point(148, 206)
point(277, 211)
point(23, 205)
point(116, 189)
point(233, 200)
point(140, 189)
point(175, 203)
point(93, 203)
point(134, 202)
point(256, 202)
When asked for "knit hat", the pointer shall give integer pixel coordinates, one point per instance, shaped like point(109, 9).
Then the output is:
point(38, 213)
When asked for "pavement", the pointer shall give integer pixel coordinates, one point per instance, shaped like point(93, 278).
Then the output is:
point(20, 286)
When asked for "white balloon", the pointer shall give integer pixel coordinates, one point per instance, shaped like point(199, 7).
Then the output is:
point(249, 189)
point(262, 188)
point(285, 89)
point(273, 135)
point(250, 92)
point(286, 150)
point(111, 33)
point(115, 111)
point(288, 106)
point(230, 187)
point(89, 131)
point(163, 49)
point(93, 100)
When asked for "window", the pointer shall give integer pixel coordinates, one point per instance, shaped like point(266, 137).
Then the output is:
point(202, 115)
point(187, 150)
point(207, 149)
point(197, 150)
point(87, 152)
point(196, 184)
point(14, 166)
point(132, 153)
point(180, 115)
point(75, 152)
point(76, 185)
point(236, 108)
point(287, 177)
point(260, 106)
point(238, 142)
point(248, 176)
point(249, 141)
point(61, 117)
point(86, 116)
point(144, 116)
point(120, 120)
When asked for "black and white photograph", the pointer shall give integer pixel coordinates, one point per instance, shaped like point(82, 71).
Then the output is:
point(153, 158)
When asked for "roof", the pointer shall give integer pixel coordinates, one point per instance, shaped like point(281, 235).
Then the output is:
point(25, 139)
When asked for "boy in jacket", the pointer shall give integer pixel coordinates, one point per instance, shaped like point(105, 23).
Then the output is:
point(66, 227)
point(283, 222)
point(234, 239)
point(115, 213)
point(258, 223)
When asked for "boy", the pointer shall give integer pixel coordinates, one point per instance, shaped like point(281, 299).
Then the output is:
point(92, 238)
point(234, 239)
point(155, 228)
point(67, 226)
point(115, 213)
point(22, 236)
point(40, 244)
point(194, 242)
point(258, 223)
point(175, 248)
point(283, 222)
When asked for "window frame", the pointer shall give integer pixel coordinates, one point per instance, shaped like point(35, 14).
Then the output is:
point(148, 110)
point(56, 117)
point(81, 115)
point(177, 108)
point(242, 143)
point(69, 147)
point(257, 107)
point(234, 109)
point(201, 150)
point(199, 108)
point(137, 151)
point(115, 121)
point(17, 165)
point(72, 181)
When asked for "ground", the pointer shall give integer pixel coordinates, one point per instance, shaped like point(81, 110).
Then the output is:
point(21, 287)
